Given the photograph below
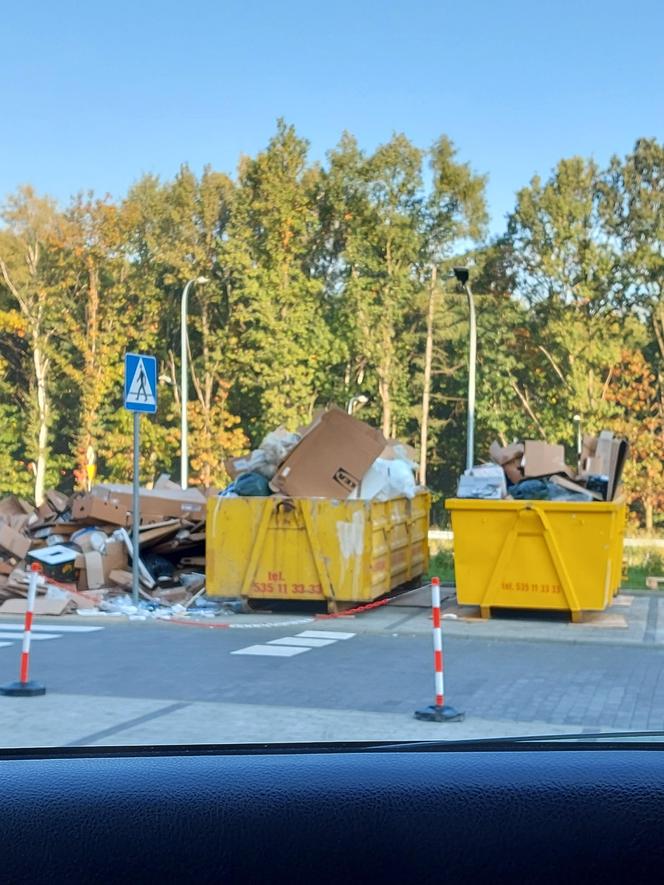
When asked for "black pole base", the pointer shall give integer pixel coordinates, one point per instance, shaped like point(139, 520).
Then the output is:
point(435, 713)
point(29, 689)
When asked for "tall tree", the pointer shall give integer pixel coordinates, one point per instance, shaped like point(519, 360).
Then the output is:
point(565, 270)
point(632, 208)
point(636, 394)
point(373, 213)
point(277, 330)
point(92, 271)
point(31, 224)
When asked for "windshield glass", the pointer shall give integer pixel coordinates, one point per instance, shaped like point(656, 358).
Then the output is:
point(331, 372)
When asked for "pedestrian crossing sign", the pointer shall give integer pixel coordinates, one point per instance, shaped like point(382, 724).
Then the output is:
point(140, 383)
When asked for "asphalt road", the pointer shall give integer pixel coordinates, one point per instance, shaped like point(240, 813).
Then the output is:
point(589, 684)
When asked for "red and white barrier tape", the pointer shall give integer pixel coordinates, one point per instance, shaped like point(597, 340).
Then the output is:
point(348, 613)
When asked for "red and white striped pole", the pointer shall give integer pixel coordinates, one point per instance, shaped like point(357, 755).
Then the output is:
point(439, 677)
point(25, 687)
point(438, 712)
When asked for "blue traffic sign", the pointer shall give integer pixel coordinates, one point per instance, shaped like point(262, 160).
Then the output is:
point(140, 384)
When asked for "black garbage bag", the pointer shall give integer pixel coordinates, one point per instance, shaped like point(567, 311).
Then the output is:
point(158, 566)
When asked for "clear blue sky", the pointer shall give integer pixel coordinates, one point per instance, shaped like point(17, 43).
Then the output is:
point(95, 93)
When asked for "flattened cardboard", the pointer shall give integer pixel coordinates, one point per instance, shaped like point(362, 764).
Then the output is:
point(43, 606)
point(94, 570)
point(14, 542)
point(565, 483)
point(89, 598)
point(121, 577)
point(19, 523)
point(331, 459)
point(601, 462)
point(151, 536)
point(11, 506)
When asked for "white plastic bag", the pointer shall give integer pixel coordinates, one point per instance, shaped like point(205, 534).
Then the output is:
point(386, 478)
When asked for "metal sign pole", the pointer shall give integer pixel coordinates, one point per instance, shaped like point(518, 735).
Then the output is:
point(136, 509)
point(140, 395)
point(472, 361)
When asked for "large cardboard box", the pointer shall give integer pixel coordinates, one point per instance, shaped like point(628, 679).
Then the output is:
point(510, 458)
point(543, 459)
point(93, 508)
point(113, 504)
point(159, 502)
point(95, 568)
point(54, 505)
point(331, 459)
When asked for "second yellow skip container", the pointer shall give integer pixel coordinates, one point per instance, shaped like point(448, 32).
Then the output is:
point(537, 554)
point(338, 552)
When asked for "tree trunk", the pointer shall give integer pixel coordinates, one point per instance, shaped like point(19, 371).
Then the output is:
point(41, 369)
point(426, 392)
point(658, 325)
point(649, 514)
point(385, 397)
point(385, 382)
point(90, 393)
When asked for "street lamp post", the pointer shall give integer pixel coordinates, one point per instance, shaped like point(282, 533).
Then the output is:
point(184, 383)
point(360, 400)
point(577, 427)
point(462, 274)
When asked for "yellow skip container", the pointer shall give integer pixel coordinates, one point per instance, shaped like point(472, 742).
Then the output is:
point(537, 554)
point(315, 548)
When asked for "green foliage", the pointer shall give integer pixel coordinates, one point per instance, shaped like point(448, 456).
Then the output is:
point(319, 288)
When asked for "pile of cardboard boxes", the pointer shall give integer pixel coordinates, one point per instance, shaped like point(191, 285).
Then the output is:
point(537, 469)
point(84, 549)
